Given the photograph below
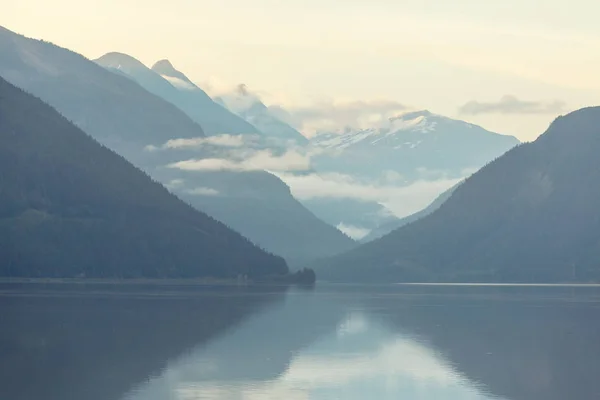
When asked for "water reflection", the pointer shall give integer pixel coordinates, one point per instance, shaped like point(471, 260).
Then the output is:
point(95, 342)
point(314, 346)
point(338, 342)
point(534, 343)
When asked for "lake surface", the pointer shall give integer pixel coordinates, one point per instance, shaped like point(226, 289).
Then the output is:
point(150, 342)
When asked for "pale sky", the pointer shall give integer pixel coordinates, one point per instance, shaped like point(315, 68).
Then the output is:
point(434, 54)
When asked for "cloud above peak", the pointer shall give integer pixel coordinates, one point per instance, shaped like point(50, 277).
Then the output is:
point(402, 200)
point(512, 105)
point(331, 116)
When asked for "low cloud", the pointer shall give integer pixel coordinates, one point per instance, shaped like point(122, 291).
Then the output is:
point(255, 161)
point(225, 140)
point(332, 116)
point(355, 232)
point(219, 140)
point(512, 105)
point(401, 200)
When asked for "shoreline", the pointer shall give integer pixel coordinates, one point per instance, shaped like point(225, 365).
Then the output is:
point(133, 281)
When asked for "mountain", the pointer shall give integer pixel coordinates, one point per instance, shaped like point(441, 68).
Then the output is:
point(166, 82)
point(70, 207)
point(530, 216)
point(390, 226)
point(252, 109)
point(114, 110)
point(254, 203)
point(260, 206)
point(125, 117)
point(416, 145)
point(401, 154)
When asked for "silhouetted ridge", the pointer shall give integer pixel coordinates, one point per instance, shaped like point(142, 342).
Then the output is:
point(70, 207)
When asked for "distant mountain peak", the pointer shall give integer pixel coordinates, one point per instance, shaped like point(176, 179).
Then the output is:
point(406, 132)
point(118, 60)
point(165, 68)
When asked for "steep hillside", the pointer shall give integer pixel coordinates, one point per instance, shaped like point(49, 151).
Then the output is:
point(70, 207)
point(261, 207)
point(530, 216)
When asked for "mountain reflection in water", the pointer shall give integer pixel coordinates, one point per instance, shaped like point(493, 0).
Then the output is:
point(336, 342)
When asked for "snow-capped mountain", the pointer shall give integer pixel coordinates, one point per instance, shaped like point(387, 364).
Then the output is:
point(412, 145)
point(249, 106)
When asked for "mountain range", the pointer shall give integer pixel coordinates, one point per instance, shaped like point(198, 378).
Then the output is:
point(414, 145)
point(70, 207)
point(397, 152)
point(529, 216)
point(412, 148)
point(166, 82)
point(115, 110)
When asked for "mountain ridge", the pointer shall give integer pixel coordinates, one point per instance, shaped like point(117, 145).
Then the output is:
point(71, 208)
point(188, 97)
point(122, 115)
point(528, 216)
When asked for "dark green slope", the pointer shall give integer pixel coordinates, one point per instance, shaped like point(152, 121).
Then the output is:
point(530, 216)
point(71, 207)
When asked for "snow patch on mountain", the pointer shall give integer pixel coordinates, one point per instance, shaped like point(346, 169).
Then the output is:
point(400, 132)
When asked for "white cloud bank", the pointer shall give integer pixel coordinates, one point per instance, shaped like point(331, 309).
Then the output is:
point(289, 161)
point(401, 200)
point(225, 140)
point(332, 116)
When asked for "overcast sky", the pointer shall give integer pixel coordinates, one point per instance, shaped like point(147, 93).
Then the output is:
point(511, 65)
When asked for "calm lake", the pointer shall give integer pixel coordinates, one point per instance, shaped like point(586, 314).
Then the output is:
point(150, 342)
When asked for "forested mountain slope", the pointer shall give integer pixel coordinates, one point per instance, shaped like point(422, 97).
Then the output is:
point(70, 207)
